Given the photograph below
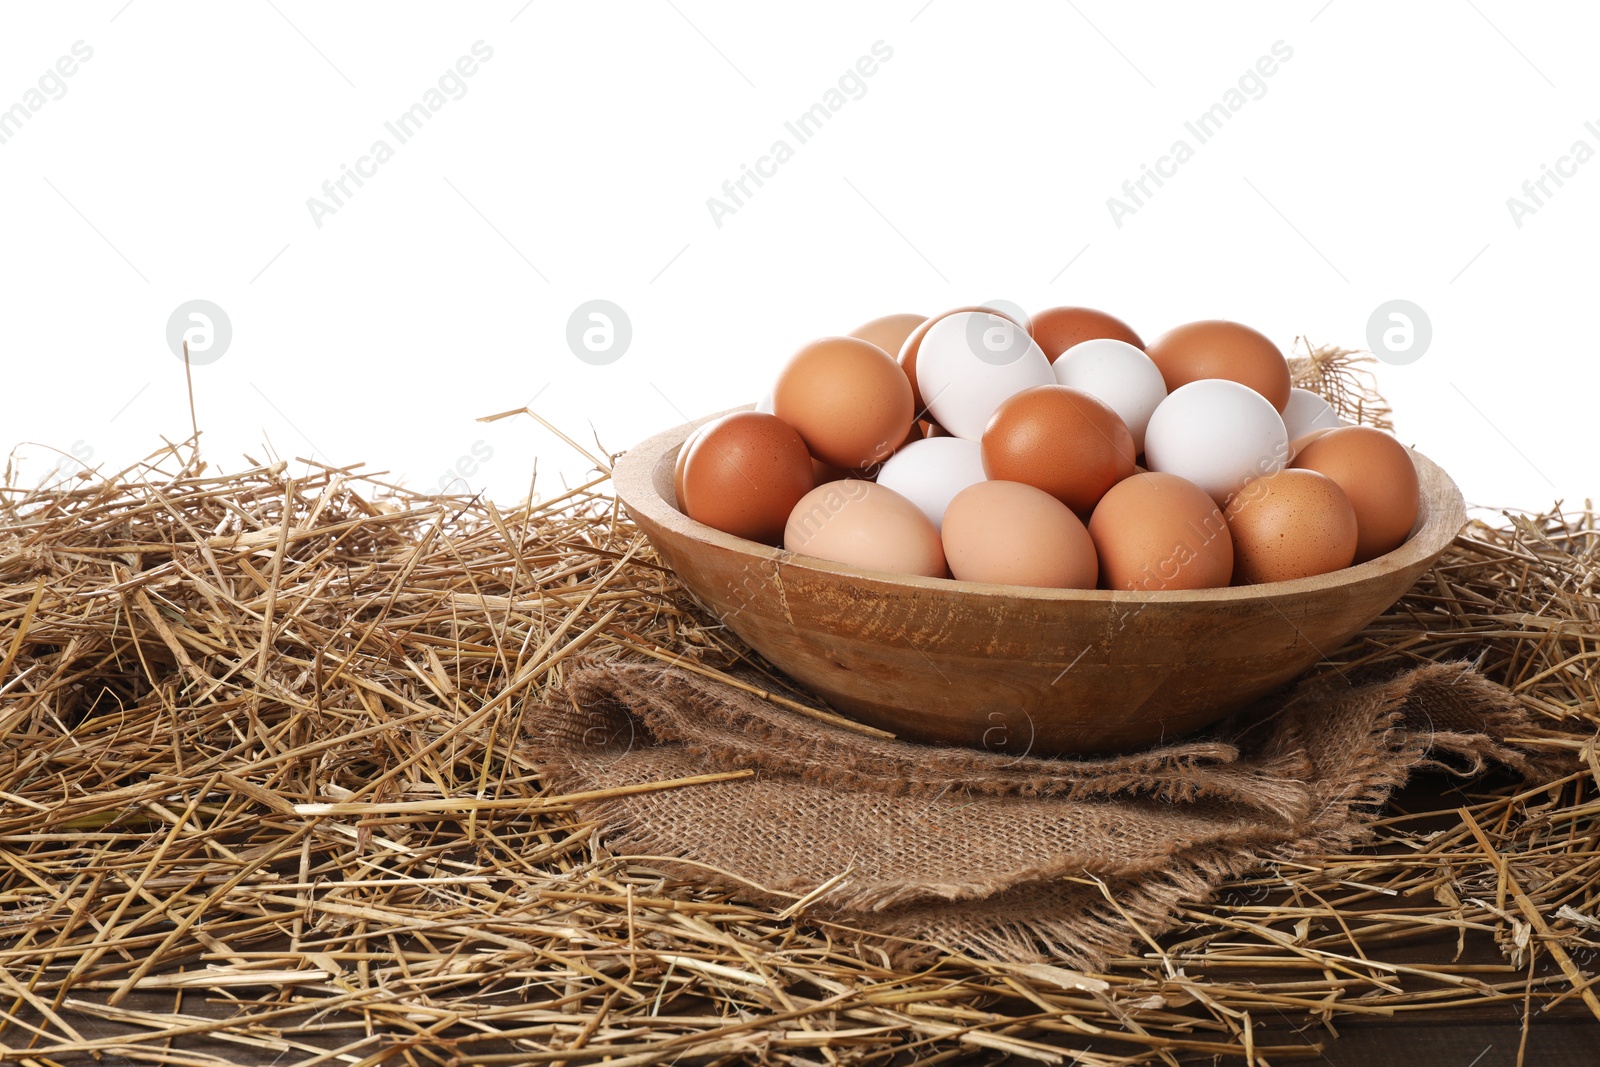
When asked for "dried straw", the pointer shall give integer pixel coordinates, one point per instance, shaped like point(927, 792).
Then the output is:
point(260, 801)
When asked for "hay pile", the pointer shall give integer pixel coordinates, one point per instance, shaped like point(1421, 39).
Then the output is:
point(261, 801)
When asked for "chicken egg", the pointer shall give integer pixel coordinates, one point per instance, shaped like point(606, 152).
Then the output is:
point(678, 465)
point(1376, 473)
point(1218, 434)
point(848, 399)
point(743, 474)
point(1058, 329)
point(930, 473)
point(1013, 534)
point(907, 356)
point(1216, 348)
point(866, 525)
point(969, 362)
point(1060, 440)
point(1118, 373)
point(1292, 524)
point(1159, 531)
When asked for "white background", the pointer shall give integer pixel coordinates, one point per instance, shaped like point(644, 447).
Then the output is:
point(977, 165)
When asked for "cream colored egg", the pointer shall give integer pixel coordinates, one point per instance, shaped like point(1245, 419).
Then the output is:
point(1009, 533)
point(865, 525)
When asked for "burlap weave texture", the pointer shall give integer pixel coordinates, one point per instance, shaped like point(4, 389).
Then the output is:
point(989, 854)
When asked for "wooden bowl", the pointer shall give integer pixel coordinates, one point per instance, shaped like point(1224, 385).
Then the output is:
point(1013, 669)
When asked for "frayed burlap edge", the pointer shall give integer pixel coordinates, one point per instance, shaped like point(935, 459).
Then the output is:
point(1303, 775)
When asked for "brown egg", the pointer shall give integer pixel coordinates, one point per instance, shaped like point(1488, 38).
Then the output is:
point(1376, 473)
point(1215, 348)
point(1013, 534)
point(1159, 531)
point(908, 352)
point(866, 525)
point(889, 332)
point(677, 468)
point(744, 474)
point(848, 399)
point(1063, 441)
point(1291, 524)
point(1058, 329)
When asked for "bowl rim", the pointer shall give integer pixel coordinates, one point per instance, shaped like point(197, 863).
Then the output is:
point(636, 476)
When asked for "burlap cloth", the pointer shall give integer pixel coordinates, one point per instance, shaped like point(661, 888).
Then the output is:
point(992, 855)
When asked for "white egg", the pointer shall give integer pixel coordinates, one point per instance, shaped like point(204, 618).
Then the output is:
point(765, 407)
point(1120, 375)
point(930, 473)
point(972, 361)
point(1306, 411)
point(1218, 434)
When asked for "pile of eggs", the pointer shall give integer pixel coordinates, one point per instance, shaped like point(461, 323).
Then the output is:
point(1058, 451)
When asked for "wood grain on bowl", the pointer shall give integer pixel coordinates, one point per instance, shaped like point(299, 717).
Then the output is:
point(1012, 669)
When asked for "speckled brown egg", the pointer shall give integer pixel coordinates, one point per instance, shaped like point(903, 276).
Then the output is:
point(848, 399)
point(1215, 348)
point(1157, 531)
point(1066, 442)
point(1376, 473)
point(743, 475)
point(1292, 524)
point(1058, 329)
